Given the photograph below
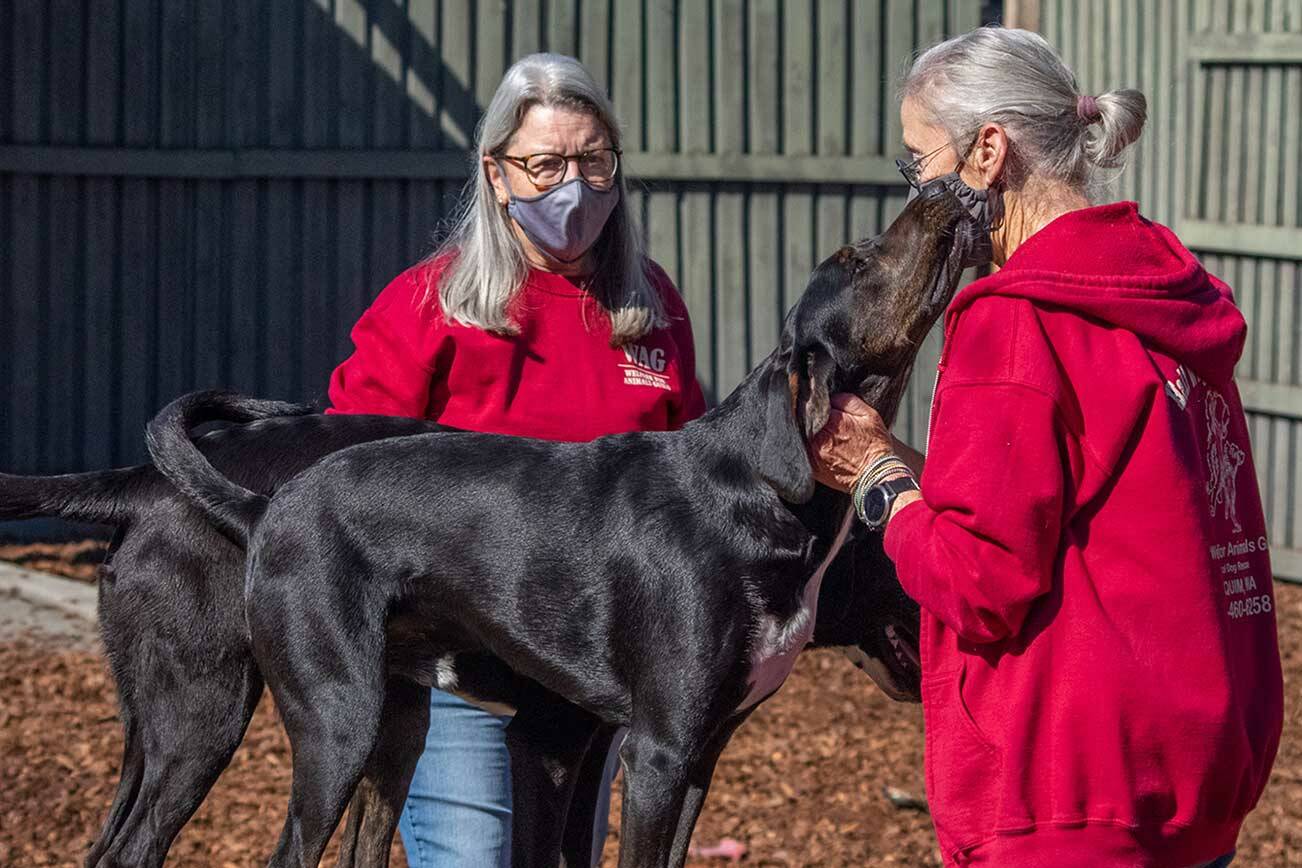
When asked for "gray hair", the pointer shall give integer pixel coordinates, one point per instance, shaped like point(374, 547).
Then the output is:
point(486, 263)
point(1014, 78)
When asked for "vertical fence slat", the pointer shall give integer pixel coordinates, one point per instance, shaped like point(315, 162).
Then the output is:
point(177, 126)
point(1178, 127)
point(562, 26)
point(1291, 167)
point(867, 81)
point(696, 231)
point(594, 42)
point(29, 72)
point(388, 37)
point(23, 295)
point(899, 47)
point(526, 28)
point(140, 77)
point(930, 16)
point(280, 305)
point(798, 53)
point(422, 73)
point(352, 74)
point(456, 98)
point(731, 289)
point(872, 107)
point(662, 135)
point(246, 288)
point(764, 268)
point(697, 234)
point(137, 394)
point(317, 288)
point(489, 51)
point(831, 65)
point(64, 100)
point(661, 89)
point(352, 269)
point(60, 332)
point(103, 75)
point(209, 222)
point(99, 321)
point(243, 29)
point(626, 71)
point(173, 310)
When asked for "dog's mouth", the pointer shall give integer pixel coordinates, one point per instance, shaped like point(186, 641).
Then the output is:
point(955, 243)
point(891, 661)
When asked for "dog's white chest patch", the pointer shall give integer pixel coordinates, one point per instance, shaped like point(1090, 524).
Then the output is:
point(445, 673)
point(773, 654)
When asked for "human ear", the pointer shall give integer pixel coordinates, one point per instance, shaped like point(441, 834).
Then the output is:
point(983, 166)
point(495, 177)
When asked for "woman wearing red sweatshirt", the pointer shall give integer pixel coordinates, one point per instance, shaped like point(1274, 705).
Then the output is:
point(542, 317)
point(1101, 675)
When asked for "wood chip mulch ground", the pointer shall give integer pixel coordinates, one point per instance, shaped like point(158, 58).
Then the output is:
point(801, 783)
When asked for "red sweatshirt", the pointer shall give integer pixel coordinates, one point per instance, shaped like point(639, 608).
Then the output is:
point(558, 379)
point(1102, 680)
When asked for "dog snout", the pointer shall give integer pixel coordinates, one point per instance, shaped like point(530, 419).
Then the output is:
point(940, 208)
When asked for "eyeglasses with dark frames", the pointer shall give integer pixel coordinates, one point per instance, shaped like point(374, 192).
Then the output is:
point(597, 167)
point(912, 170)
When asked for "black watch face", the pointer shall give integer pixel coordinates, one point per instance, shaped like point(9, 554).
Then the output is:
point(874, 505)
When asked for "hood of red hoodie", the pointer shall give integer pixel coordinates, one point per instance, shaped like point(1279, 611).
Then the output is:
point(1110, 264)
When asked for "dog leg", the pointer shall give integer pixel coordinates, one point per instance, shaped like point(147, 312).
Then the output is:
point(578, 843)
point(124, 799)
point(656, 776)
point(699, 786)
point(330, 699)
point(373, 815)
point(186, 730)
point(547, 739)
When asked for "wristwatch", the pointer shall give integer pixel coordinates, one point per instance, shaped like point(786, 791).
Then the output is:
point(874, 505)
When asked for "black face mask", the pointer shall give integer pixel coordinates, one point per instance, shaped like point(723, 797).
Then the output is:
point(985, 206)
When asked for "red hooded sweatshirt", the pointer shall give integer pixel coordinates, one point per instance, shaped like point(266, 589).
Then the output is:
point(558, 379)
point(1102, 681)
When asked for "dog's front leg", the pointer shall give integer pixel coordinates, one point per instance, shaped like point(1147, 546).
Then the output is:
point(698, 786)
point(547, 740)
point(656, 777)
point(377, 802)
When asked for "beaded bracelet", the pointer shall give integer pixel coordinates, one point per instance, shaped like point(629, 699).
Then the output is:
point(888, 466)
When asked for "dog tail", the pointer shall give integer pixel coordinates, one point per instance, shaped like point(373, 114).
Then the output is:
point(232, 508)
point(100, 497)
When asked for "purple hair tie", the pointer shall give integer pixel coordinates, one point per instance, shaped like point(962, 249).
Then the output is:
point(1087, 109)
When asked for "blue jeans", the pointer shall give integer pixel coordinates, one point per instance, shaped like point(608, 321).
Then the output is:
point(458, 810)
point(1222, 862)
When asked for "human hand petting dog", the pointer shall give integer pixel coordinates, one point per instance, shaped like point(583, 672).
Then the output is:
point(854, 437)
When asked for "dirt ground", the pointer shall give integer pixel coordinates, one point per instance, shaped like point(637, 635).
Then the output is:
point(801, 784)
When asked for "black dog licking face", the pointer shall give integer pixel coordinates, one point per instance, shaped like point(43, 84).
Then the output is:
point(858, 326)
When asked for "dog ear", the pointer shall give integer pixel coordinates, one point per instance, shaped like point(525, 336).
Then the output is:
point(815, 402)
point(783, 462)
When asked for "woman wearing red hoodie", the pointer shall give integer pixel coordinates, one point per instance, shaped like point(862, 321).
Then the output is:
point(1102, 680)
point(541, 316)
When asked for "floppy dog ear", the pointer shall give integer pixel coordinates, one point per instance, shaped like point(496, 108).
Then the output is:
point(783, 462)
point(815, 399)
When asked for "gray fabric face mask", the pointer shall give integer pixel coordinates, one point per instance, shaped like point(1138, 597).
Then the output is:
point(565, 221)
point(983, 205)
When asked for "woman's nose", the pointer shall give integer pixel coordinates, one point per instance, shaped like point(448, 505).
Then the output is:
point(571, 171)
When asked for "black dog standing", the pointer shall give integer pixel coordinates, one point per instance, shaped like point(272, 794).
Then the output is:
point(659, 581)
